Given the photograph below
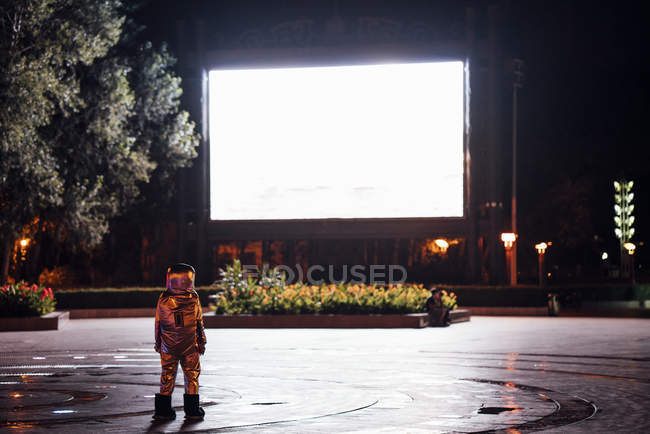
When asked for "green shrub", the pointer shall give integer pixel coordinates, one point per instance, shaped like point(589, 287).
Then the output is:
point(269, 294)
point(21, 299)
point(344, 298)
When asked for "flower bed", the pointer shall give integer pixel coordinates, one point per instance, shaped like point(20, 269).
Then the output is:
point(22, 299)
point(268, 294)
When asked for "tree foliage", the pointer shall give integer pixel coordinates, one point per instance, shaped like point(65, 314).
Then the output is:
point(87, 117)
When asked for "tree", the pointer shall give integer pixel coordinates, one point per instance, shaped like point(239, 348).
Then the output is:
point(97, 117)
point(41, 43)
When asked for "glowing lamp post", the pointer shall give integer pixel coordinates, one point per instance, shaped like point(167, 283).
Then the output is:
point(630, 247)
point(623, 219)
point(509, 239)
point(443, 245)
point(541, 250)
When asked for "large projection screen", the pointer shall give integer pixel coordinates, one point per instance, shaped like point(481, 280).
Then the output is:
point(345, 142)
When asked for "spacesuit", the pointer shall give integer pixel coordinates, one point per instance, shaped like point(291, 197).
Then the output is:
point(180, 337)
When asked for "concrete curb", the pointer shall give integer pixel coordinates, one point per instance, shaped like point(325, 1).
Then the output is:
point(415, 320)
point(51, 321)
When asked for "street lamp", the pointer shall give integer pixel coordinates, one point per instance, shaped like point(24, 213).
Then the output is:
point(517, 83)
point(541, 250)
point(509, 239)
point(623, 219)
point(442, 244)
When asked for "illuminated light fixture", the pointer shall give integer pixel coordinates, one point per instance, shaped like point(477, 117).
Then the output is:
point(630, 247)
point(508, 239)
point(604, 256)
point(442, 244)
point(24, 242)
point(541, 248)
point(623, 209)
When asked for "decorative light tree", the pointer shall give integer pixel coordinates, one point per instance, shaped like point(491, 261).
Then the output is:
point(623, 218)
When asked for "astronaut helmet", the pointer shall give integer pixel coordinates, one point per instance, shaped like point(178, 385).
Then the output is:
point(180, 278)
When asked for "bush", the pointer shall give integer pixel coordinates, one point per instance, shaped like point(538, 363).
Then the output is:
point(117, 298)
point(449, 300)
point(21, 299)
point(242, 294)
point(309, 299)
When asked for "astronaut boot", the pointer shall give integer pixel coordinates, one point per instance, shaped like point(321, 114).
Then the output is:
point(164, 410)
point(191, 406)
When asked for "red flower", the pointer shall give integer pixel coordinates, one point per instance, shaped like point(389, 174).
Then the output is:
point(34, 287)
point(251, 292)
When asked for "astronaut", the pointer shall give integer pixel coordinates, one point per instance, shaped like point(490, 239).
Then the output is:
point(179, 338)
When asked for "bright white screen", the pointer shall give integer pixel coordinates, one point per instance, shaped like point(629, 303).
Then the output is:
point(371, 141)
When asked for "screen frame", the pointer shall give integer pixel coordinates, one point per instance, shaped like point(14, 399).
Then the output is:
point(363, 228)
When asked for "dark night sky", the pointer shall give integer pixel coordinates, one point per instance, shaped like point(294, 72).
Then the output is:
point(584, 106)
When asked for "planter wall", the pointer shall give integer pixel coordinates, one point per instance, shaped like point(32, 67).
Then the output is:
point(414, 320)
point(51, 321)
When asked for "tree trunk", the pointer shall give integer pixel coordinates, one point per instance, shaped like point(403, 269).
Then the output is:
point(6, 259)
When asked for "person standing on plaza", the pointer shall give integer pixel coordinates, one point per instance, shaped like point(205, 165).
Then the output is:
point(180, 338)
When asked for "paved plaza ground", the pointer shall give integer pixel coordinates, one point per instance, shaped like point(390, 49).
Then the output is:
point(497, 374)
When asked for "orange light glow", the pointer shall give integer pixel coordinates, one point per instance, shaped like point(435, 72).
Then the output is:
point(442, 244)
point(508, 239)
point(24, 242)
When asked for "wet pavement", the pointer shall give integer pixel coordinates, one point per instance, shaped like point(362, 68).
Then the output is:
point(516, 374)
